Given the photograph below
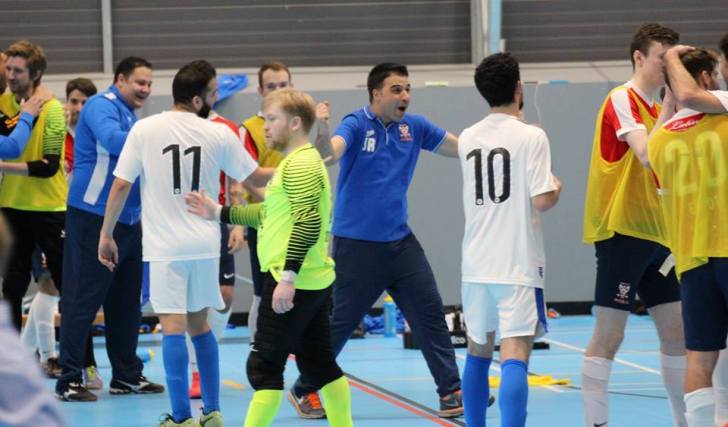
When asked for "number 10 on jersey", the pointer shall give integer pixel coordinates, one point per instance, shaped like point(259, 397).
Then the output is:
point(505, 192)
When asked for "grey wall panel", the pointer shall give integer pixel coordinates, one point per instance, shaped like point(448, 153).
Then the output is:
point(68, 30)
point(303, 33)
point(591, 30)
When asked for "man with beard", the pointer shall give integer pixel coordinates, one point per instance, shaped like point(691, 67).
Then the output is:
point(172, 153)
point(101, 133)
point(506, 167)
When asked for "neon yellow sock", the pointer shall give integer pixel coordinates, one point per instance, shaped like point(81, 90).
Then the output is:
point(263, 408)
point(337, 402)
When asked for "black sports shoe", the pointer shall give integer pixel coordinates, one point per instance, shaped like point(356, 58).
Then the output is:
point(141, 386)
point(451, 405)
point(75, 392)
point(51, 368)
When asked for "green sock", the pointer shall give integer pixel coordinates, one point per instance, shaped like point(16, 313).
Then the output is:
point(337, 402)
point(263, 408)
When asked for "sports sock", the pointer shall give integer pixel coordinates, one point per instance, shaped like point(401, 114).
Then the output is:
point(46, 307)
point(176, 358)
point(253, 318)
point(700, 406)
point(720, 389)
point(673, 376)
point(476, 389)
point(513, 393)
point(209, 366)
point(263, 408)
point(28, 336)
point(337, 402)
point(594, 381)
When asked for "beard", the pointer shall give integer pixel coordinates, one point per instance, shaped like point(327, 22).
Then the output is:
point(204, 112)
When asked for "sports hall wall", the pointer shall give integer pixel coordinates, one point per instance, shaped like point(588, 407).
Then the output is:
point(565, 111)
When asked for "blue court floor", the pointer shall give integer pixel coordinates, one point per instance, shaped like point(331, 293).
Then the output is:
point(391, 386)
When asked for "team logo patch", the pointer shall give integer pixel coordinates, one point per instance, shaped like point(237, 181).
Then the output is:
point(404, 133)
point(622, 296)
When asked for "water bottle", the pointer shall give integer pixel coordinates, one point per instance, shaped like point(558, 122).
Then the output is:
point(145, 354)
point(390, 317)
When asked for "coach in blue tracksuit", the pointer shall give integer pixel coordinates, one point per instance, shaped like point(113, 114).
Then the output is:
point(373, 247)
point(101, 132)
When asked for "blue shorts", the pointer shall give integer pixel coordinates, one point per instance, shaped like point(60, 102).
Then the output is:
point(227, 260)
point(627, 266)
point(705, 305)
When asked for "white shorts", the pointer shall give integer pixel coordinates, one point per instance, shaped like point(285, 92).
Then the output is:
point(513, 310)
point(179, 287)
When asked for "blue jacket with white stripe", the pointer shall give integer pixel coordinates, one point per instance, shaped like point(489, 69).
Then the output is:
point(101, 132)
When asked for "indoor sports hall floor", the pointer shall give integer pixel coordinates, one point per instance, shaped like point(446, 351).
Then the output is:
point(391, 386)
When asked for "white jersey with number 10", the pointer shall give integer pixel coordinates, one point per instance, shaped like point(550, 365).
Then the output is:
point(505, 163)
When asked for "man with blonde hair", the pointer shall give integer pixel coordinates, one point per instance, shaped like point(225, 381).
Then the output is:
point(294, 224)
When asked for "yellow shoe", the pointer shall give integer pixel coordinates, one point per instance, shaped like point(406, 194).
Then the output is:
point(213, 419)
point(168, 421)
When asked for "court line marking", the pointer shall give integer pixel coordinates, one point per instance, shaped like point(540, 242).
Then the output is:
point(401, 401)
point(616, 359)
point(398, 400)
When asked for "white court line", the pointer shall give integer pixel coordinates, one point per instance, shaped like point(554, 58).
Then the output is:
point(244, 279)
point(616, 359)
point(497, 368)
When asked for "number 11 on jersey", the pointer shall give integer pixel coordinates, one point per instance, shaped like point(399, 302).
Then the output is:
point(176, 178)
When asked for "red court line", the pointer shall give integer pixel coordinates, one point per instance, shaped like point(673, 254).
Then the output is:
point(400, 404)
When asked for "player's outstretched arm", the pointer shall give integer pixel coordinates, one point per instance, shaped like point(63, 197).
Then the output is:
point(546, 201)
point(201, 204)
point(686, 90)
point(108, 252)
point(449, 147)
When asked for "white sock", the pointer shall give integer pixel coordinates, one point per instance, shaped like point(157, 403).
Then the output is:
point(673, 376)
point(46, 307)
point(700, 406)
point(594, 381)
point(720, 389)
point(28, 336)
point(253, 318)
point(191, 352)
point(218, 321)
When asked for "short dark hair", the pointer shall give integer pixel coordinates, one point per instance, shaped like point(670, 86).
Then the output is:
point(128, 65)
point(380, 72)
point(34, 56)
point(723, 45)
point(81, 84)
point(696, 61)
point(272, 65)
point(648, 33)
point(496, 78)
point(191, 80)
